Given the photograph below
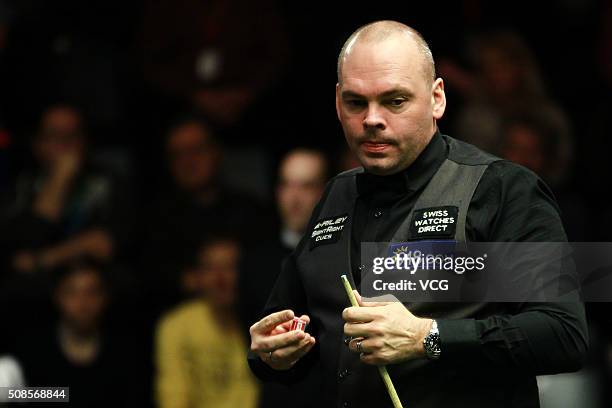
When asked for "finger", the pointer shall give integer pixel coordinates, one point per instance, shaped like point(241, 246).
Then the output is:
point(358, 297)
point(289, 352)
point(269, 322)
point(367, 345)
point(295, 352)
point(360, 330)
point(271, 343)
point(347, 340)
point(281, 328)
point(285, 327)
point(302, 352)
point(360, 314)
point(372, 359)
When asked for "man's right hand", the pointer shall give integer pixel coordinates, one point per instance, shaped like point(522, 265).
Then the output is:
point(275, 344)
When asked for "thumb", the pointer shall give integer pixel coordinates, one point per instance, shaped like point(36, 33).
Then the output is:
point(358, 297)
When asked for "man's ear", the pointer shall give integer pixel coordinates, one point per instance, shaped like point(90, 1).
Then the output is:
point(438, 99)
point(338, 101)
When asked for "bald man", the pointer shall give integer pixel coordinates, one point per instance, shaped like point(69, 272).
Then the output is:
point(439, 354)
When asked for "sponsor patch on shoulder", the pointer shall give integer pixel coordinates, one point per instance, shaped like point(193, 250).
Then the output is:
point(434, 222)
point(328, 230)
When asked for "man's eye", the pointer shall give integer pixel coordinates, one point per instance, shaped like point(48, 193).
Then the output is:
point(397, 102)
point(355, 103)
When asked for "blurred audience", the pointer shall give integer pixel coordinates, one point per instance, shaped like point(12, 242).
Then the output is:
point(302, 175)
point(66, 215)
point(545, 147)
point(64, 206)
point(195, 206)
point(200, 349)
point(216, 56)
point(506, 82)
point(80, 348)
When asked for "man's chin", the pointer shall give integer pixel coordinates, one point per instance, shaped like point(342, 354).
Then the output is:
point(380, 167)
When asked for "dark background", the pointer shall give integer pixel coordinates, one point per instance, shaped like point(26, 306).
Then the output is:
point(91, 54)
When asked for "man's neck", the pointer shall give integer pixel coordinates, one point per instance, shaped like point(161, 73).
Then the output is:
point(224, 316)
point(79, 346)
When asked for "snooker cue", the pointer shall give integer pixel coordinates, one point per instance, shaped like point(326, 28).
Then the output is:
point(382, 370)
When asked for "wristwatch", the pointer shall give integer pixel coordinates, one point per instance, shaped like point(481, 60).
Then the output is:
point(431, 342)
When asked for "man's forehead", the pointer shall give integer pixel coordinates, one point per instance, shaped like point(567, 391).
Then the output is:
point(301, 167)
point(377, 86)
point(393, 58)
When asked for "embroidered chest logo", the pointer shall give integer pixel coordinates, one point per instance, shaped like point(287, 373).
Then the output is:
point(434, 222)
point(328, 230)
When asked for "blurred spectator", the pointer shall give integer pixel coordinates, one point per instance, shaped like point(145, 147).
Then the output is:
point(302, 176)
point(506, 82)
point(196, 206)
point(201, 353)
point(216, 55)
point(544, 146)
point(65, 206)
point(80, 350)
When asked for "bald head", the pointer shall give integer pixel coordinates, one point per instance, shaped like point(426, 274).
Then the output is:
point(380, 31)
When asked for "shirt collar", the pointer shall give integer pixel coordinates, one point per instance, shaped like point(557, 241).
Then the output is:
point(412, 178)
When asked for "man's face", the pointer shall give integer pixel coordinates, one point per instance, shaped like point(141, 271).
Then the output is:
point(193, 159)
point(60, 134)
point(300, 187)
point(523, 146)
point(81, 298)
point(218, 272)
point(386, 104)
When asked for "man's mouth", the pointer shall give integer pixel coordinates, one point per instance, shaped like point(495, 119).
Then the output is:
point(375, 147)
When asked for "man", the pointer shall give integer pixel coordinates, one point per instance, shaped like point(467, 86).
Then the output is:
point(302, 178)
point(66, 208)
point(81, 350)
point(197, 205)
point(302, 175)
point(200, 348)
point(438, 354)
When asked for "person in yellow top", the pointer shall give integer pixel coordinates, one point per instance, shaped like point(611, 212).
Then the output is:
point(200, 350)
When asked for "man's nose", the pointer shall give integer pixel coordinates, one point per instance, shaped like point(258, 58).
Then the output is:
point(374, 118)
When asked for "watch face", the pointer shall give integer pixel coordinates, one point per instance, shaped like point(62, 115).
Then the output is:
point(432, 345)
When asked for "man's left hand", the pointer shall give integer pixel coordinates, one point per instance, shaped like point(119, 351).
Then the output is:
point(385, 332)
